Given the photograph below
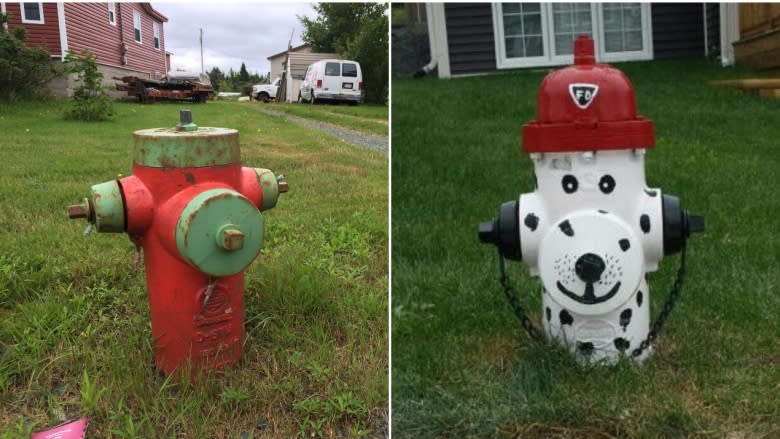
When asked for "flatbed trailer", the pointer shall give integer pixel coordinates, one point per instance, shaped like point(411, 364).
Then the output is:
point(146, 90)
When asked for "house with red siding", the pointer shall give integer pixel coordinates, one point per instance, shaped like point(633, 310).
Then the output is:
point(126, 38)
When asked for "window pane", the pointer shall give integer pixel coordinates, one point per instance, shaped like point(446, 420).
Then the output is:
point(613, 41)
point(332, 69)
point(508, 8)
point(31, 11)
point(582, 7)
point(563, 22)
point(634, 40)
point(349, 69)
point(564, 44)
point(533, 46)
point(532, 24)
point(513, 25)
point(582, 22)
point(561, 7)
point(612, 19)
point(514, 47)
point(531, 7)
point(632, 17)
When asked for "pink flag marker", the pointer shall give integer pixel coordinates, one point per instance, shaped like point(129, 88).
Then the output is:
point(69, 430)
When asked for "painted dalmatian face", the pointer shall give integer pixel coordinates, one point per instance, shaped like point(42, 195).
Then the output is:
point(591, 262)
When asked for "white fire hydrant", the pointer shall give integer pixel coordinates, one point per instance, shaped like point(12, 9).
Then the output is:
point(592, 229)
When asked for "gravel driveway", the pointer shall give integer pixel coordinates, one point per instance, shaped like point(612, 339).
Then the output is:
point(363, 140)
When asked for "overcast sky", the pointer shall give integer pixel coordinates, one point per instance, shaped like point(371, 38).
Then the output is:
point(232, 33)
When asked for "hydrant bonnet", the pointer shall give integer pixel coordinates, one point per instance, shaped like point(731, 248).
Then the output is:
point(586, 107)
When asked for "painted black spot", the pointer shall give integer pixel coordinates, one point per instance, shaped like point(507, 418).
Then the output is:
point(624, 244)
point(565, 317)
point(548, 313)
point(639, 298)
point(531, 221)
point(585, 348)
point(607, 184)
point(603, 211)
point(621, 344)
point(189, 177)
point(536, 182)
point(651, 193)
point(569, 183)
point(566, 228)
point(644, 223)
point(625, 318)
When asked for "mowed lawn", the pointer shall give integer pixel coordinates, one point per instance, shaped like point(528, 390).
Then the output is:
point(74, 316)
point(463, 367)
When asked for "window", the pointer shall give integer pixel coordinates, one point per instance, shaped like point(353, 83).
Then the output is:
point(349, 69)
point(332, 69)
point(137, 26)
point(542, 34)
point(112, 13)
point(156, 29)
point(523, 29)
point(32, 13)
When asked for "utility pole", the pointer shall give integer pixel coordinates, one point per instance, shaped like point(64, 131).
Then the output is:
point(201, 51)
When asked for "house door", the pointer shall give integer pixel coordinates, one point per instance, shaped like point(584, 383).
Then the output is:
point(542, 34)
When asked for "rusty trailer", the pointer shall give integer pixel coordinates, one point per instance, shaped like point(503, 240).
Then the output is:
point(197, 89)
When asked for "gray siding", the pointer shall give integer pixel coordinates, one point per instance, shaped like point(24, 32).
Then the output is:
point(678, 30)
point(470, 37)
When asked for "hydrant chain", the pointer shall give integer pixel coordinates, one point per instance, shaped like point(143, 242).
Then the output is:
point(671, 301)
point(517, 306)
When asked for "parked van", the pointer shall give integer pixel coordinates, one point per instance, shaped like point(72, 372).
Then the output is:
point(332, 79)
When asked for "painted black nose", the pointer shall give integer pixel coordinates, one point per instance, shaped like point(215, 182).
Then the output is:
point(589, 267)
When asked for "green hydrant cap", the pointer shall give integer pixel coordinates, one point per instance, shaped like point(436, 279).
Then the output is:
point(219, 232)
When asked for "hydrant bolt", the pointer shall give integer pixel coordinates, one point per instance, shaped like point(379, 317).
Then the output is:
point(78, 211)
point(231, 238)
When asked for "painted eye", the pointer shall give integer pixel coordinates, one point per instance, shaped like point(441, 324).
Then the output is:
point(607, 184)
point(569, 183)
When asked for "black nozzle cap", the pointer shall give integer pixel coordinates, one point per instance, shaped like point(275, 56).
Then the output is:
point(695, 223)
point(504, 231)
point(678, 223)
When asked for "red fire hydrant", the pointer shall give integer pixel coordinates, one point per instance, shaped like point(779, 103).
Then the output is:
point(195, 212)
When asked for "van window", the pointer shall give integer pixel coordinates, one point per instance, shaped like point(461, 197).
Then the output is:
point(332, 69)
point(349, 69)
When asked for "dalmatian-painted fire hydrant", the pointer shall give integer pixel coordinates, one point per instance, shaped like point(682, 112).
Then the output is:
point(592, 229)
point(195, 212)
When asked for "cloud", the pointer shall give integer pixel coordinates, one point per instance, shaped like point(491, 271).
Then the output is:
point(232, 33)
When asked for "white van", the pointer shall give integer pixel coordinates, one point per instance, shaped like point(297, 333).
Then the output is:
point(332, 79)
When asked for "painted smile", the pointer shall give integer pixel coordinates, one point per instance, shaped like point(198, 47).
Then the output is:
point(589, 298)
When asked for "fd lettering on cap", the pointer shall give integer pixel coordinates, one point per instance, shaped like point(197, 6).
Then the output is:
point(583, 94)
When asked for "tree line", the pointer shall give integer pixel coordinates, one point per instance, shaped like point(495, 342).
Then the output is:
point(232, 81)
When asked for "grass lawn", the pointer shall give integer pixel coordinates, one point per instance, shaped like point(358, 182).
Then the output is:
point(74, 317)
point(365, 118)
point(463, 367)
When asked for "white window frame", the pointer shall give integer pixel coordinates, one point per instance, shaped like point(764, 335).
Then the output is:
point(111, 13)
point(502, 62)
point(156, 42)
point(639, 55)
point(548, 41)
point(137, 18)
point(29, 20)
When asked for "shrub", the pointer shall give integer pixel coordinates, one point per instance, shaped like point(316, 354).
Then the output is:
point(24, 71)
point(90, 100)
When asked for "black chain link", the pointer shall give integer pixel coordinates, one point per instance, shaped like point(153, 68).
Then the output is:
point(537, 334)
point(517, 306)
point(674, 294)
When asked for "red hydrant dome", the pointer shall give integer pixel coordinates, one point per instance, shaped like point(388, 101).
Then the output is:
point(586, 107)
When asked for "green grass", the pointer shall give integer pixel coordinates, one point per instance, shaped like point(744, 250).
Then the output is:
point(365, 118)
point(463, 367)
point(74, 317)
